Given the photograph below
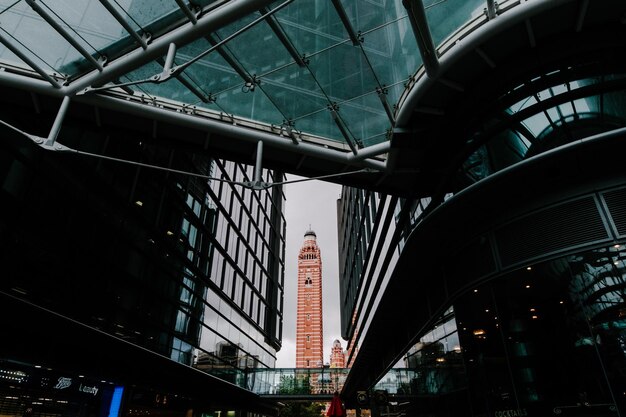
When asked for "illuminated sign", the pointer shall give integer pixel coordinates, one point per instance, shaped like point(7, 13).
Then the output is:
point(63, 383)
point(87, 389)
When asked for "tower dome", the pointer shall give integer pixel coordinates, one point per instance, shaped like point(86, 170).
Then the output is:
point(310, 234)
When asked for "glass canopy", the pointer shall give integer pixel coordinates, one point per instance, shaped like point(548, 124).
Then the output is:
point(334, 69)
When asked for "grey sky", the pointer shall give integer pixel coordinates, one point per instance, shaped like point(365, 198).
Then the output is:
point(311, 203)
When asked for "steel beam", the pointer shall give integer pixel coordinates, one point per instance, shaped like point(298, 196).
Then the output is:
point(61, 31)
point(215, 20)
point(282, 36)
point(373, 150)
point(476, 39)
point(342, 128)
point(360, 158)
point(426, 46)
point(226, 55)
point(120, 19)
point(185, 8)
point(237, 132)
point(343, 16)
point(9, 45)
point(382, 95)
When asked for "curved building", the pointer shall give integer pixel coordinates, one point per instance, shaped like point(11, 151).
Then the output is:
point(502, 275)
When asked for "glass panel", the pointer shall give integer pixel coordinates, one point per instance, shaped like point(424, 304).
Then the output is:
point(157, 13)
point(343, 72)
point(294, 91)
point(212, 72)
point(366, 118)
point(258, 49)
point(311, 25)
point(393, 54)
point(447, 16)
point(39, 41)
point(365, 15)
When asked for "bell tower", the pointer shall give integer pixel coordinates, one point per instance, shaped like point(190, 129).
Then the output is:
point(309, 331)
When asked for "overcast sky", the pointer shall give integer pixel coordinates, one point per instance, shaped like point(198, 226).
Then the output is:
point(311, 203)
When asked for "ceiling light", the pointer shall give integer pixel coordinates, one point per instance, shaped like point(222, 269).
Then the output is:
point(139, 203)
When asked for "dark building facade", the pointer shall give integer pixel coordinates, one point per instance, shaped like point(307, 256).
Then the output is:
point(180, 266)
point(501, 280)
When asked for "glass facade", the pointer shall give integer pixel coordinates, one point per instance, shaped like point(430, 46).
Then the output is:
point(189, 268)
point(249, 74)
point(541, 340)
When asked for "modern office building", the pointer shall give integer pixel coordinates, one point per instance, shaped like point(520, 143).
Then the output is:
point(309, 323)
point(482, 142)
point(499, 281)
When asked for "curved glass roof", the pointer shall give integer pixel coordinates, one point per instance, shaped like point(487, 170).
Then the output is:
point(334, 69)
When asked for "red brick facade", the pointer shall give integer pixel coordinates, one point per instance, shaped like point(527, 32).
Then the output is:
point(309, 330)
point(337, 356)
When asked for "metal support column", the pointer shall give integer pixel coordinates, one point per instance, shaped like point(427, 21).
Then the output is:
point(492, 10)
point(169, 59)
point(58, 121)
point(258, 166)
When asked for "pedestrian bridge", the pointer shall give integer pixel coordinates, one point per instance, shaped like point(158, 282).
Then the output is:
point(312, 383)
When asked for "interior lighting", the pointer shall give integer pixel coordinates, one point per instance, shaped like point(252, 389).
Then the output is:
point(532, 309)
point(440, 360)
point(616, 246)
point(529, 268)
point(139, 203)
point(169, 233)
point(535, 317)
point(561, 302)
point(475, 290)
point(527, 286)
point(486, 310)
point(37, 366)
point(478, 332)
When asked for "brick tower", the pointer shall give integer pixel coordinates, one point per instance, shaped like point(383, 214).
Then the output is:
point(309, 333)
point(337, 355)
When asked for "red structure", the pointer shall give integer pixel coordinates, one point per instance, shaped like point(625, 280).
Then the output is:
point(309, 331)
point(337, 355)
